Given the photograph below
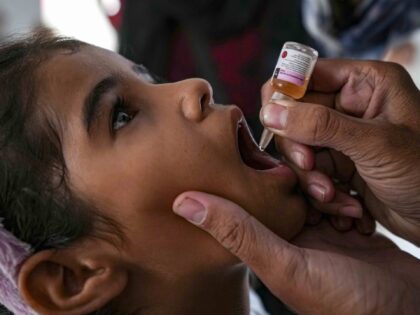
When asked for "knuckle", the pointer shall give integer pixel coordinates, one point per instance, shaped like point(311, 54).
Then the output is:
point(373, 66)
point(297, 265)
point(237, 236)
point(370, 73)
point(324, 125)
point(296, 269)
point(391, 73)
point(396, 69)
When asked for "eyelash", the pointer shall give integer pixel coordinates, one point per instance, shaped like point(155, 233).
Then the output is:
point(120, 106)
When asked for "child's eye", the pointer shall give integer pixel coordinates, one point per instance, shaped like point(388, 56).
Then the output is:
point(121, 116)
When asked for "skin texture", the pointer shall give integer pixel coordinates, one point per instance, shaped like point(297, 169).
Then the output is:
point(175, 140)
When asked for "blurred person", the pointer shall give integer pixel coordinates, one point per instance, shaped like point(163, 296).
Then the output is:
point(362, 29)
point(233, 44)
point(407, 53)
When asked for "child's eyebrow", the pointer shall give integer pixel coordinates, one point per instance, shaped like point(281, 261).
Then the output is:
point(92, 104)
point(146, 74)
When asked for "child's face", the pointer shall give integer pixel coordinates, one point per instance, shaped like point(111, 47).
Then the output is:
point(131, 146)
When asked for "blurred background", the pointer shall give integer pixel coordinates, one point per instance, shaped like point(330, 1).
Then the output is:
point(234, 44)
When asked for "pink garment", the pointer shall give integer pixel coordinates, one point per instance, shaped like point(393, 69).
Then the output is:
point(12, 253)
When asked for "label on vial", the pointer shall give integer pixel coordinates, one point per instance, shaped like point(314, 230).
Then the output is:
point(292, 66)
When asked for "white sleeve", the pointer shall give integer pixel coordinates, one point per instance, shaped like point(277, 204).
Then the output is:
point(256, 306)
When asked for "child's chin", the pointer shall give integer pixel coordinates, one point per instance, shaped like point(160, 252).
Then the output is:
point(287, 222)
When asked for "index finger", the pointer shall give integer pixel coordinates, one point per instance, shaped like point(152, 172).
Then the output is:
point(330, 75)
point(355, 88)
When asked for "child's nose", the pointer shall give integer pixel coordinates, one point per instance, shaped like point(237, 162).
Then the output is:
point(195, 99)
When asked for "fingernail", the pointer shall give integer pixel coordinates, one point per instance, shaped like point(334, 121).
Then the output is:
point(298, 158)
point(351, 211)
point(275, 116)
point(317, 191)
point(192, 210)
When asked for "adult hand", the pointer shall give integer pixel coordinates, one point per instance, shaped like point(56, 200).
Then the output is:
point(368, 113)
point(337, 273)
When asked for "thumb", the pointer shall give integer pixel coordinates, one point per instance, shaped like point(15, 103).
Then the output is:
point(233, 228)
point(274, 260)
point(318, 125)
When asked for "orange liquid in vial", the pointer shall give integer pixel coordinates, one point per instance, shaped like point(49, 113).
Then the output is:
point(294, 91)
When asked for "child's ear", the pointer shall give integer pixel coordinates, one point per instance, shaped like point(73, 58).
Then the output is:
point(71, 281)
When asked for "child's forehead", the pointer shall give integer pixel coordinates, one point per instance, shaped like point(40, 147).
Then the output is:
point(66, 74)
point(65, 79)
point(85, 60)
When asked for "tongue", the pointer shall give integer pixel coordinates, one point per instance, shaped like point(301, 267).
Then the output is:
point(258, 160)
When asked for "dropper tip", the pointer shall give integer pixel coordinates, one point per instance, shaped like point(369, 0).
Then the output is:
point(266, 137)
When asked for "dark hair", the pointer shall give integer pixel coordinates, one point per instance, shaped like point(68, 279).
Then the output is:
point(37, 203)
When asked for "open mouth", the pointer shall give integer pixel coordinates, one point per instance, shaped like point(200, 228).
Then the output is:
point(249, 151)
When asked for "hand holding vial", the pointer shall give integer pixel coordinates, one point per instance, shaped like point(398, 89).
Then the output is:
point(368, 115)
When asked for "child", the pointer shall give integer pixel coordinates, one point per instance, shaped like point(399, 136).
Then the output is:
point(93, 154)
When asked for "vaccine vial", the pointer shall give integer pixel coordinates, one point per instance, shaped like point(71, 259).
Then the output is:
point(293, 69)
point(291, 77)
